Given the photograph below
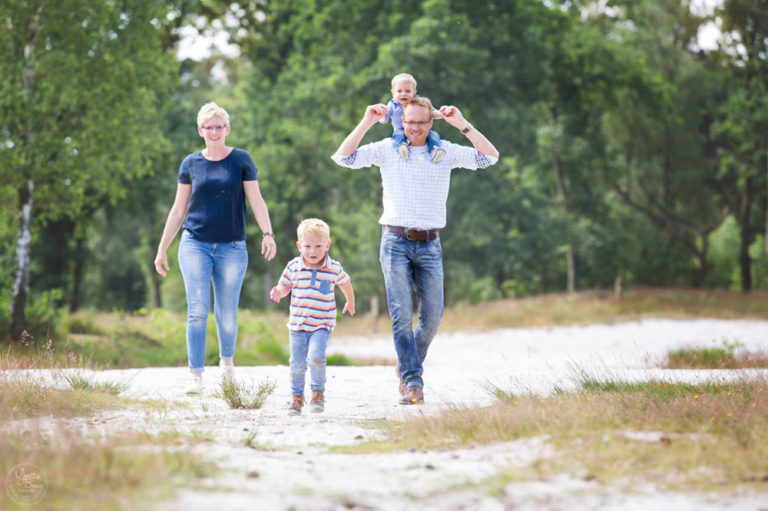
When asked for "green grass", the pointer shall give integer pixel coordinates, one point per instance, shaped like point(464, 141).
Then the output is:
point(83, 382)
point(590, 307)
point(79, 472)
point(157, 338)
point(338, 359)
point(241, 395)
point(729, 357)
point(717, 428)
point(36, 385)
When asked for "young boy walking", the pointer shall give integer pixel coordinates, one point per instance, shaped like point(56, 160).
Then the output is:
point(404, 90)
point(311, 278)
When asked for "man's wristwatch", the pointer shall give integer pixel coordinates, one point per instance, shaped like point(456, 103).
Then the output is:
point(469, 127)
point(268, 234)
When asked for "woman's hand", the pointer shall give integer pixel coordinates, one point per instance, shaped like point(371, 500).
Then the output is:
point(161, 263)
point(268, 247)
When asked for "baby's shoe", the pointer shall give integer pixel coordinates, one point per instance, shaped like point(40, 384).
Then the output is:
point(296, 404)
point(438, 153)
point(197, 384)
point(317, 405)
point(402, 150)
point(227, 370)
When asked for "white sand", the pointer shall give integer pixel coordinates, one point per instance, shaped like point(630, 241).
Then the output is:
point(288, 464)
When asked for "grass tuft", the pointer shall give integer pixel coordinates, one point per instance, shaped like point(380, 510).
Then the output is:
point(79, 381)
point(240, 395)
point(28, 388)
point(729, 357)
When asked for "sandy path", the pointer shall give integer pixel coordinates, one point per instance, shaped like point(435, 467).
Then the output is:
point(288, 464)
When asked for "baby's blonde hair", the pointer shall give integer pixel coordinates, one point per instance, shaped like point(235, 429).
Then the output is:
point(313, 226)
point(403, 77)
point(210, 110)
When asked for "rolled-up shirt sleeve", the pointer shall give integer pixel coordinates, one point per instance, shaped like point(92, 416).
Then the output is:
point(365, 156)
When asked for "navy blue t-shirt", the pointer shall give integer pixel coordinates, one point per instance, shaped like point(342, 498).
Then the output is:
point(217, 204)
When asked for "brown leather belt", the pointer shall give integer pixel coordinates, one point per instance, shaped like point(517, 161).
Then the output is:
point(413, 234)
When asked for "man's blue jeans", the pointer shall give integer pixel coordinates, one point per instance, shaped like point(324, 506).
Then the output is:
point(225, 265)
point(308, 348)
point(412, 265)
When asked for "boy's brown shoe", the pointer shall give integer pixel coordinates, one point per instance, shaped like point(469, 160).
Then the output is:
point(413, 396)
point(296, 404)
point(317, 405)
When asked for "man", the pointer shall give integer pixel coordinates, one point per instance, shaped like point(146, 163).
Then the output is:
point(414, 199)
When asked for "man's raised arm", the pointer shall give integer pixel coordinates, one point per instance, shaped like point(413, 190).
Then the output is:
point(372, 115)
point(454, 117)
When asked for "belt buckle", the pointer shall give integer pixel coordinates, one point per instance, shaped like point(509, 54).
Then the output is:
point(408, 235)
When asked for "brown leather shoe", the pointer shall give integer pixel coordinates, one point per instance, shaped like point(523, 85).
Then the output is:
point(413, 396)
point(317, 404)
point(296, 404)
point(403, 386)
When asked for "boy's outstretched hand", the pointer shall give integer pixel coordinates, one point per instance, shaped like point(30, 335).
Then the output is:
point(275, 295)
point(349, 308)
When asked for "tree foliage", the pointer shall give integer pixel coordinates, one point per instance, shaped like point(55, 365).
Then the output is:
point(627, 151)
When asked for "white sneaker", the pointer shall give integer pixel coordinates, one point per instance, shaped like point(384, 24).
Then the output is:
point(227, 370)
point(438, 153)
point(402, 150)
point(197, 384)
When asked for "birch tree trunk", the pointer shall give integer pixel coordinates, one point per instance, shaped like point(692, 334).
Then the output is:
point(23, 253)
point(26, 193)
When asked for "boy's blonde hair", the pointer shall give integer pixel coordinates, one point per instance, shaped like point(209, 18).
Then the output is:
point(404, 77)
point(313, 226)
point(209, 111)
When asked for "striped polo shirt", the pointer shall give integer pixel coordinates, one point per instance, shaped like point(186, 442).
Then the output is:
point(313, 304)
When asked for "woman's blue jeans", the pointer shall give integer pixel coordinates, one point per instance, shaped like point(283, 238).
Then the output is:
point(224, 264)
point(308, 348)
point(407, 266)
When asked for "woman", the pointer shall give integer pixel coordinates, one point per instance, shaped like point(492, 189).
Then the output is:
point(213, 185)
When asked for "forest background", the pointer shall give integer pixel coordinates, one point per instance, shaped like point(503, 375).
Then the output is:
point(627, 150)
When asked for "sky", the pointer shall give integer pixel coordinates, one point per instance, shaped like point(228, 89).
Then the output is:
point(198, 46)
point(709, 33)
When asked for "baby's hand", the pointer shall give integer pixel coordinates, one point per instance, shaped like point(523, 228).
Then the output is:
point(274, 294)
point(436, 114)
point(349, 308)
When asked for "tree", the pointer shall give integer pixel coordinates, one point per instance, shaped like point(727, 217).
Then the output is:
point(742, 124)
point(659, 143)
point(78, 99)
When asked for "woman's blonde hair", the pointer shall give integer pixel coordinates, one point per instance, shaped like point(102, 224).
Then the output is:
point(313, 226)
point(209, 111)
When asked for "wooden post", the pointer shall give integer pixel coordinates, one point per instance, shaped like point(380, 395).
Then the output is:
point(374, 313)
point(617, 288)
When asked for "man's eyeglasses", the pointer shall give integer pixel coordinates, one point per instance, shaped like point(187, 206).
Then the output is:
point(214, 128)
point(416, 123)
